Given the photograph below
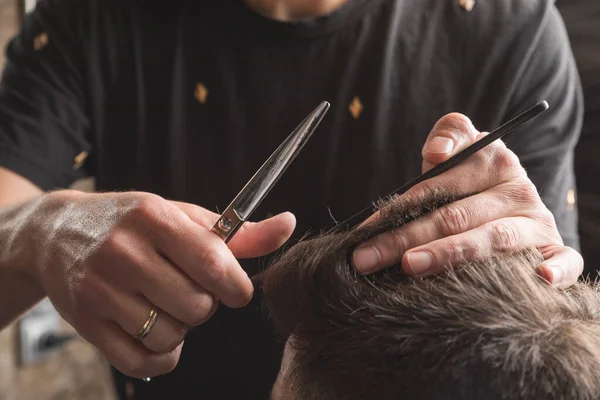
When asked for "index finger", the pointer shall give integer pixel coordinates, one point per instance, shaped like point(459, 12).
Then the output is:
point(204, 257)
point(254, 239)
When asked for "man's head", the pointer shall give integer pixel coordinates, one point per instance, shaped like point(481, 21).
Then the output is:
point(486, 330)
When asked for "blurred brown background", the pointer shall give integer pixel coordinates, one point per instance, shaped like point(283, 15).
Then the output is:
point(8, 22)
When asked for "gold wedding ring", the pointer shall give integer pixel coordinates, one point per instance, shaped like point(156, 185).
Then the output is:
point(145, 330)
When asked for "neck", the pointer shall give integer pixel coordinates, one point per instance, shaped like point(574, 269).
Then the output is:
point(293, 10)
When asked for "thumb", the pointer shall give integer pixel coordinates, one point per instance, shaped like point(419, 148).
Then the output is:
point(451, 134)
point(254, 239)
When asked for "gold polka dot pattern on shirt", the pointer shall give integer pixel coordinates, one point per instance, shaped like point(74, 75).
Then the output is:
point(80, 159)
point(40, 41)
point(467, 5)
point(571, 199)
point(201, 93)
point(356, 107)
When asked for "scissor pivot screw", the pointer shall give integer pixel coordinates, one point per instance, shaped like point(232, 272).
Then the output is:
point(225, 224)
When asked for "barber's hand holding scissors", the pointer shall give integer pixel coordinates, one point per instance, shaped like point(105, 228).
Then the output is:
point(506, 214)
point(132, 271)
point(109, 261)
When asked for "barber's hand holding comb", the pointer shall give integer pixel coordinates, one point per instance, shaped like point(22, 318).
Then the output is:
point(506, 213)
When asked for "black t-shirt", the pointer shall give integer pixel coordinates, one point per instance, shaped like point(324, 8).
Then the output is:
point(186, 99)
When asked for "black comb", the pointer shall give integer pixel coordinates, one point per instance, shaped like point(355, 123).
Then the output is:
point(451, 162)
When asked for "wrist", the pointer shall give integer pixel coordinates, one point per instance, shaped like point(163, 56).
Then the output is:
point(16, 237)
point(22, 229)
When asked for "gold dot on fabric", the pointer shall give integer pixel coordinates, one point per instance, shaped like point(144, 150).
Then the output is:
point(80, 159)
point(40, 41)
point(467, 5)
point(201, 92)
point(355, 107)
point(571, 199)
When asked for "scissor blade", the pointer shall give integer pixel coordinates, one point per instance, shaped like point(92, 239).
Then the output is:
point(267, 176)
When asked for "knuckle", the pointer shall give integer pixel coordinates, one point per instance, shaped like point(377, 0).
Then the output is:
point(547, 219)
point(200, 310)
point(148, 206)
point(121, 248)
point(506, 160)
point(425, 191)
point(214, 263)
point(459, 252)
point(525, 192)
point(503, 237)
point(153, 208)
point(452, 220)
point(117, 243)
point(171, 340)
point(399, 240)
point(455, 251)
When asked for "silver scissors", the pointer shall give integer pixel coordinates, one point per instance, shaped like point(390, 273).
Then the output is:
point(250, 197)
point(259, 186)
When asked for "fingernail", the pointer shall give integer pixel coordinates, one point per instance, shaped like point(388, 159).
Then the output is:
point(366, 259)
point(440, 144)
point(557, 274)
point(420, 262)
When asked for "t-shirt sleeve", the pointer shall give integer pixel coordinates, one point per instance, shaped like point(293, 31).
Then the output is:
point(546, 145)
point(44, 127)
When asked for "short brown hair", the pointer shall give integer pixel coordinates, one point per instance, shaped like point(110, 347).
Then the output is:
point(486, 330)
